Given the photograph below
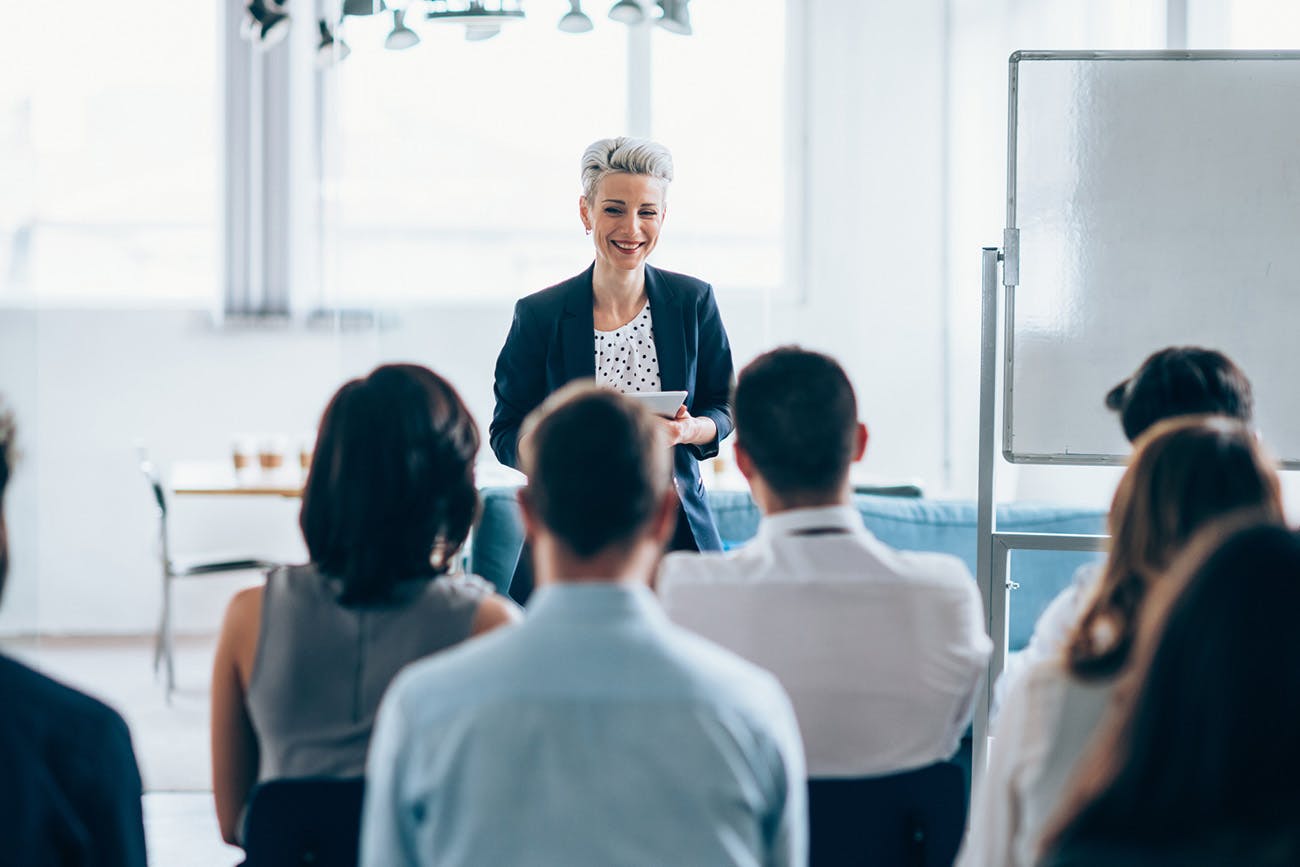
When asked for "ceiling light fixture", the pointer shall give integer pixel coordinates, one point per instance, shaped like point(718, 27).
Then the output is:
point(479, 32)
point(400, 37)
point(266, 24)
point(575, 20)
point(331, 50)
point(675, 17)
point(364, 7)
point(482, 18)
point(627, 12)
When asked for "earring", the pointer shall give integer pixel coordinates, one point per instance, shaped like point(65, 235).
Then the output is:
point(589, 230)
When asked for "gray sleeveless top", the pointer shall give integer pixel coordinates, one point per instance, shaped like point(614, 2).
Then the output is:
point(321, 667)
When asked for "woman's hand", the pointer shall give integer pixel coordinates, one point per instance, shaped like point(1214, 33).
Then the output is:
point(686, 429)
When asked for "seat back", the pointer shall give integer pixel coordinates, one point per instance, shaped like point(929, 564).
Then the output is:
point(312, 821)
point(155, 481)
point(911, 819)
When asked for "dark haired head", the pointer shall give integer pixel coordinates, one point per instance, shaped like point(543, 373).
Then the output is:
point(597, 468)
point(1185, 474)
point(6, 465)
point(1205, 740)
point(391, 493)
point(797, 420)
point(1181, 380)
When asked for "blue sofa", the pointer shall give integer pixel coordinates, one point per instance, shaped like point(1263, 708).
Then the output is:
point(908, 523)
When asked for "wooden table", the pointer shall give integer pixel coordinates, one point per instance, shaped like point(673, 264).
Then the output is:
point(219, 478)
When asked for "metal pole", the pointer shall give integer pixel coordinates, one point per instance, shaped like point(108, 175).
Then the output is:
point(985, 507)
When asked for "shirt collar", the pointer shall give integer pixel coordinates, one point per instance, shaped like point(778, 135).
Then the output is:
point(597, 601)
point(796, 521)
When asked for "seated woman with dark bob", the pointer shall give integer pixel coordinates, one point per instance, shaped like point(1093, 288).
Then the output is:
point(303, 661)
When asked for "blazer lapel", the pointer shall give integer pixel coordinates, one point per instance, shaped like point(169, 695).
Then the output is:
point(576, 329)
point(670, 338)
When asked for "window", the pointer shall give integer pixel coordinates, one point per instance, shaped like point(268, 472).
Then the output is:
point(451, 169)
point(108, 156)
point(455, 171)
point(718, 102)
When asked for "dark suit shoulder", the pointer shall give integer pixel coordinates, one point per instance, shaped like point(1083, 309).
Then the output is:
point(553, 298)
point(687, 288)
point(46, 705)
point(70, 761)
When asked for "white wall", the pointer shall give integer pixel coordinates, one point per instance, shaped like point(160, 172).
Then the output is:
point(872, 288)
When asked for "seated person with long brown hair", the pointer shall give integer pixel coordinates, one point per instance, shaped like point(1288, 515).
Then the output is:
point(1186, 473)
point(1201, 765)
point(302, 662)
point(1172, 382)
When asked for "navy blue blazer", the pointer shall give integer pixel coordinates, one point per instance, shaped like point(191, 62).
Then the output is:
point(551, 343)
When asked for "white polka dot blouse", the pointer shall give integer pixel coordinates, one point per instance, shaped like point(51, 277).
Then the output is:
point(626, 358)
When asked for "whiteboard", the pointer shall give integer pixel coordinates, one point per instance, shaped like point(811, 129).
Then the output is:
point(1157, 200)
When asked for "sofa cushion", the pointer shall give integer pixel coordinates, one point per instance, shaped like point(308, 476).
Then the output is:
point(907, 523)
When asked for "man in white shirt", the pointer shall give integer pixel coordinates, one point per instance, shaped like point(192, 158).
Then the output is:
point(880, 650)
point(596, 732)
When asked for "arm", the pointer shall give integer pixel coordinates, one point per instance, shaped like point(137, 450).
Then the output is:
point(519, 384)
point(387, 838)
point(1052, 631)
point(234, 744)
point(714, 375)
point(996, 807)
point(686, 429)
point(114, 816)
point(964, 657)
point(788, 826)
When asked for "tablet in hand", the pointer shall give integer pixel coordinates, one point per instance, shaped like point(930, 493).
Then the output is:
point(664, 403)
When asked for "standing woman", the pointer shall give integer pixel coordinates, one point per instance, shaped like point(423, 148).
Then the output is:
point(628, 325)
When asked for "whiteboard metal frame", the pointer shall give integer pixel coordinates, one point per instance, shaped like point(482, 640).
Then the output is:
point(994, 548)
point(1010, 252)
point(993, 554)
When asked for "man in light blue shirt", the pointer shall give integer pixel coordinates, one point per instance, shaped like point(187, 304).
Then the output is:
point(596, 732)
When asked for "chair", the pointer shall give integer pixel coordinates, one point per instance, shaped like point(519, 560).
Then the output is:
point(912, 819)
point(173, 569)
point(311, 821)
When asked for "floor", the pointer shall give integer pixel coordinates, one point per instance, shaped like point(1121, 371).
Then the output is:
point(171, 741)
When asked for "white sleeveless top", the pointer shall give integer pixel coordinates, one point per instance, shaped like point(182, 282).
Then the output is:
point(626, 358)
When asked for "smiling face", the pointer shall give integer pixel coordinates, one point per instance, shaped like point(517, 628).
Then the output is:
point(624, 218)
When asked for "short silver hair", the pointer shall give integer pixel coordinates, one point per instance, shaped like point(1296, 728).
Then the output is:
point(633, 156)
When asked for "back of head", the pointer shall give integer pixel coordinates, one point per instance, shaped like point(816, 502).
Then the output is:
point(6, 465)
point(390, 495)
point(1207, 745)
point(1186, 473)
point(796, 419)
point(633, 156)
point(1181, 380)
point(597, 468)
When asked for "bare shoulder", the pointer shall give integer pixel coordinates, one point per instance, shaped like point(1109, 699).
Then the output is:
point(237, 646)
point(244, 606)
point(494, 611)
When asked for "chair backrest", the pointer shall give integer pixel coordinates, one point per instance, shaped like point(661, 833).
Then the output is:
point(912, 819)
point(311, 821)
point(155, 481)
point(905, 523)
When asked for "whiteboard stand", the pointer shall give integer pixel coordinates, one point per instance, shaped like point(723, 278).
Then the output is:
point(1137, 128)
point(993, 553)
